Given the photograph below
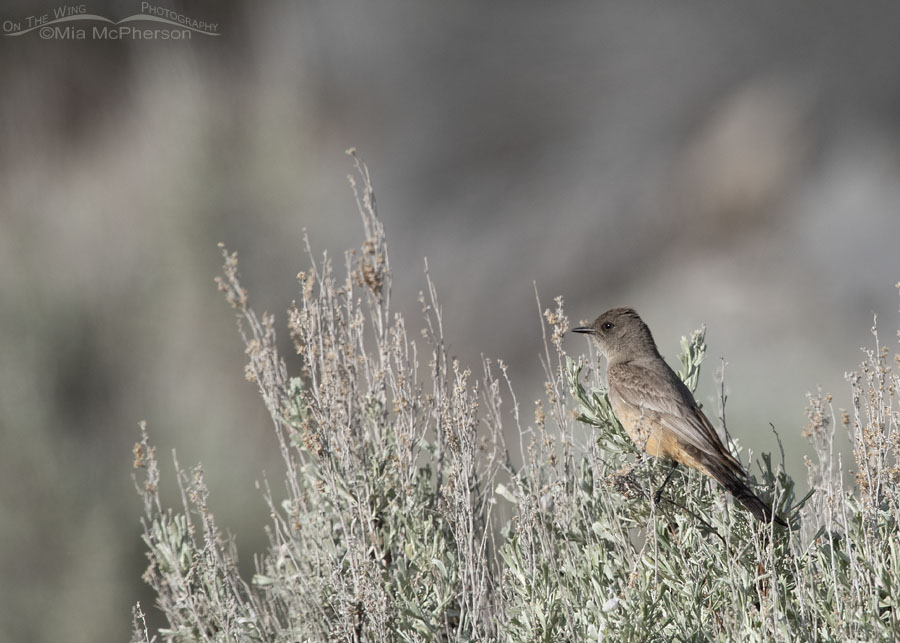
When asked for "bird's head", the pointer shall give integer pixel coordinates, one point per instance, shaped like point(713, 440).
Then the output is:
point(621, 335)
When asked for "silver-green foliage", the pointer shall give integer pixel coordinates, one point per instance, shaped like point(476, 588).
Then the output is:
point(401, 516)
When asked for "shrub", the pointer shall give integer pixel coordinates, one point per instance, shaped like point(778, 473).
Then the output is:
point(402, 517)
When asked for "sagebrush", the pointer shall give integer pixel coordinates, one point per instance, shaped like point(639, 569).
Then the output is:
point(401, 516)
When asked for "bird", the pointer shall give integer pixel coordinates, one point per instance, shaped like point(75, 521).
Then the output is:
point(659, 412)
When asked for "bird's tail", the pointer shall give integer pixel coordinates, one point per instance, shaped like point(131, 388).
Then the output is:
point(744, 495)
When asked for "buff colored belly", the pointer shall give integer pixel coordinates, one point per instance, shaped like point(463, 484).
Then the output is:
point(646, 431)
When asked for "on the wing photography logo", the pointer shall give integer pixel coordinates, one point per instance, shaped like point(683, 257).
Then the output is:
point(73, 22)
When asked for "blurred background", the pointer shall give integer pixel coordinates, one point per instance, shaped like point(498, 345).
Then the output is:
point(705, 163)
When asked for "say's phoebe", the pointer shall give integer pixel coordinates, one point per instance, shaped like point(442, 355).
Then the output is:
point(657, 409)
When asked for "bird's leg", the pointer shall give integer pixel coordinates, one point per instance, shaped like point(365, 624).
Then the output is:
point(658, 495)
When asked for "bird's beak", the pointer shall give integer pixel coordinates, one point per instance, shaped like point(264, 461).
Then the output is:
point(583, 329)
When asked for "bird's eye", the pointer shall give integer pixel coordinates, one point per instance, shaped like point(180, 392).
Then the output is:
point(607, 326)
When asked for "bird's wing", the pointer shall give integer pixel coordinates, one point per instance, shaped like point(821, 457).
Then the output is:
point(663, 395)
